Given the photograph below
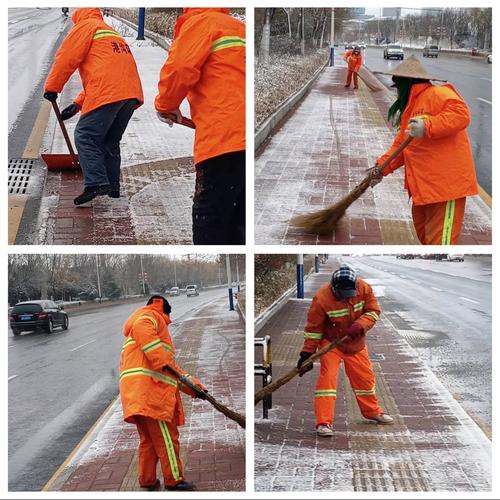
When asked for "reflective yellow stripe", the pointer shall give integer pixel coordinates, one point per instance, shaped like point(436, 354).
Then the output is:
point(149, 318)
point(313, 336)
point(155, 344)
point(361, 392)
point(169, 445)
point(421, 116)
point(372, 314)
point(328, 393)
point(338, 313)
point(226, 42)
point(359, 306)
point(167, 347)
point(105, 33)
point(144, 371)
point(127, 343)
point(448, 222)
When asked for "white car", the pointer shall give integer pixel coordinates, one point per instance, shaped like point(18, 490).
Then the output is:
point(192, 291)
point(173, 292)
point(489, 58)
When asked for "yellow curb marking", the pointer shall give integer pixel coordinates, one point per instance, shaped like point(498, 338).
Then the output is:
point(16, 209)
point(485, 196)
point(58, 472)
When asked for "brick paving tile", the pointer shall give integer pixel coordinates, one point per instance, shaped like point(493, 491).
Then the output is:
point(211, 345)
point(433, 445)
point(320, 152)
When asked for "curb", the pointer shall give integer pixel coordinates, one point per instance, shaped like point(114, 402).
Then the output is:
point(67, 467)
point(266, 315)
point(270, 123)
point(155, 37)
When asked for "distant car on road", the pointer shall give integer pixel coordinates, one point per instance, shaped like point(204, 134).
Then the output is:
point(455, 257)
point(173, 292)
point(349, 46)
point(488, 58)
point(192, 291)
point(431, 51)
point(394, 51)
point(37, 315)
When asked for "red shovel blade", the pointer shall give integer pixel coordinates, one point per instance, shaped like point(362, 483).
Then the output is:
point(59, 161)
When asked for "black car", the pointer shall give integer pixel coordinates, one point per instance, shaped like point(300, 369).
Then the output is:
point(37, 315)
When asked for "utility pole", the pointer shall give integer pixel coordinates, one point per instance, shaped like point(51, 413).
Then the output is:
point(141, 23)
point(229, 283)
point(303, 32)
point(378, 26)
point(332, 42)
point(142, 276)
point(98, 277)
point(237, 274)
point(175, 272)
point(300, 276)
point(398, 14)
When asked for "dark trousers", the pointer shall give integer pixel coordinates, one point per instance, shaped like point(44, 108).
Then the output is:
point(219, 201)
point(97, 137)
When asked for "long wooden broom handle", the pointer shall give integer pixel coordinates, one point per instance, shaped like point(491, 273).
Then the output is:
point(185, 121)
point(64, 131)
point(269, 389)
point(397, 152)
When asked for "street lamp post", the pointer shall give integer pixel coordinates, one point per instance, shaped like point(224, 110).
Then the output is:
point(142, 276)
point(98, 277)
point(300, 276)
point(141, 23)
point(332, 42)
point(229, 283)
point(237, 274)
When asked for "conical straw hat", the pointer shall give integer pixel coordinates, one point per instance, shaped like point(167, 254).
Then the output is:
point(412, 68)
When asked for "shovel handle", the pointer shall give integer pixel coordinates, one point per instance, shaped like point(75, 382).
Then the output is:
point(64, 131)
point(187, 122)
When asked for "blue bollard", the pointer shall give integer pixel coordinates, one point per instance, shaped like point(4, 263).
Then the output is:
point(316, 263)
point(300, 280)
point(140, 26)
point(332, 56)
point(231, 302)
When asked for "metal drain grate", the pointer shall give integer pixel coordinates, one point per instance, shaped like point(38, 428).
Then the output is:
point(20, 170)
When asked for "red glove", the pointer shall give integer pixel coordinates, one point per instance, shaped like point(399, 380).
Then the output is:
point(355, 331)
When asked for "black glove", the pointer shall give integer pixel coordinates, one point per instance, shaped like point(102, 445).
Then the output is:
point(70, 111)
point(50, 96)
point(202, 395)
point(302, 357)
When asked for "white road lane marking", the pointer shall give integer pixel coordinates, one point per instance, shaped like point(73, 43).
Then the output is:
point(83, 345)
point(487, 79)
point(12, 377)
point(483, 100)
point(11, 346)
point(470, 300)
point(436, 289)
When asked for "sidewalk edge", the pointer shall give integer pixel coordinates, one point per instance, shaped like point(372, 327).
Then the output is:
point(79, 448)
point(271, 122)
point(155, 37)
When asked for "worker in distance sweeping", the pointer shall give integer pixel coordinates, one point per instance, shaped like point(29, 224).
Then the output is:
point(439, 166)
point(150, 394)
point(354, 61)
point(112, 91)
point(348, 307)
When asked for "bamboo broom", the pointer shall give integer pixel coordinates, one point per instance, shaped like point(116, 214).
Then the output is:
point(238, 418)
point(324, 221)
point(269, 389)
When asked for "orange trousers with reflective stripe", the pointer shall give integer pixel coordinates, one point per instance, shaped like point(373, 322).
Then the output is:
point(359, 370)
point(159, 440)
point(350, 75)
point(439, 223)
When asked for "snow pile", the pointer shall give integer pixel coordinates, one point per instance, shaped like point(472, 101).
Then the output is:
point(284, 75)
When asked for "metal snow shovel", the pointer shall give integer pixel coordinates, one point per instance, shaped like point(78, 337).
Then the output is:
point(239, 419)
point(58, 161)
point(269, 389)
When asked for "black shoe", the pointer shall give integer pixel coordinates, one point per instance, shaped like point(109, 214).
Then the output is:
point(182, 486)
point(153, 487)
point(89, 193)
point(114, 194)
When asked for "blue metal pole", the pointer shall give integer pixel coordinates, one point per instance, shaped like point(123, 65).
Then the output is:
point(300, 276)
point(140, 25)
point(332, 55)
point(316, 263)
point(229, 283)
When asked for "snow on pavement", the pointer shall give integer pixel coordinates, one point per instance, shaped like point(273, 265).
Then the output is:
point(32, 34)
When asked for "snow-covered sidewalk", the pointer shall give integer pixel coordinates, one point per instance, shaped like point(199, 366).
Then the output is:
point(157, 173)
point(211, 345)
point(433, 446)
point(320, 152)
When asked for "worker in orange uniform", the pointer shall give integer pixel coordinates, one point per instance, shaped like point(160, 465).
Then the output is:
point(111, 92)
point(354, 61)
point(150, 394)
point(439, 166)
point(206, 65)
point(344, 307)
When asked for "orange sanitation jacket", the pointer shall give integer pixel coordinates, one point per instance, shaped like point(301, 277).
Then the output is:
point(354, 61)
point(329, 317)
point(439, 166)
point(106, 65)
point(206, 65)
point(146, 389)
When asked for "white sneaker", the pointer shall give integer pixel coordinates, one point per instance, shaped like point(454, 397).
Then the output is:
point(324, 430)
point(383, 419)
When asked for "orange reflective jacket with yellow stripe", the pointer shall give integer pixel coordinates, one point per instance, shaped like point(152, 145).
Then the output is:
point(328, 317)
point(106, 65)
point(206, 65)
point(145, 387)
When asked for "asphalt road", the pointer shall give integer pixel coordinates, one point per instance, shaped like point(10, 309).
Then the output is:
point(446, 318)
point(60, 384)
point(473, 79)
